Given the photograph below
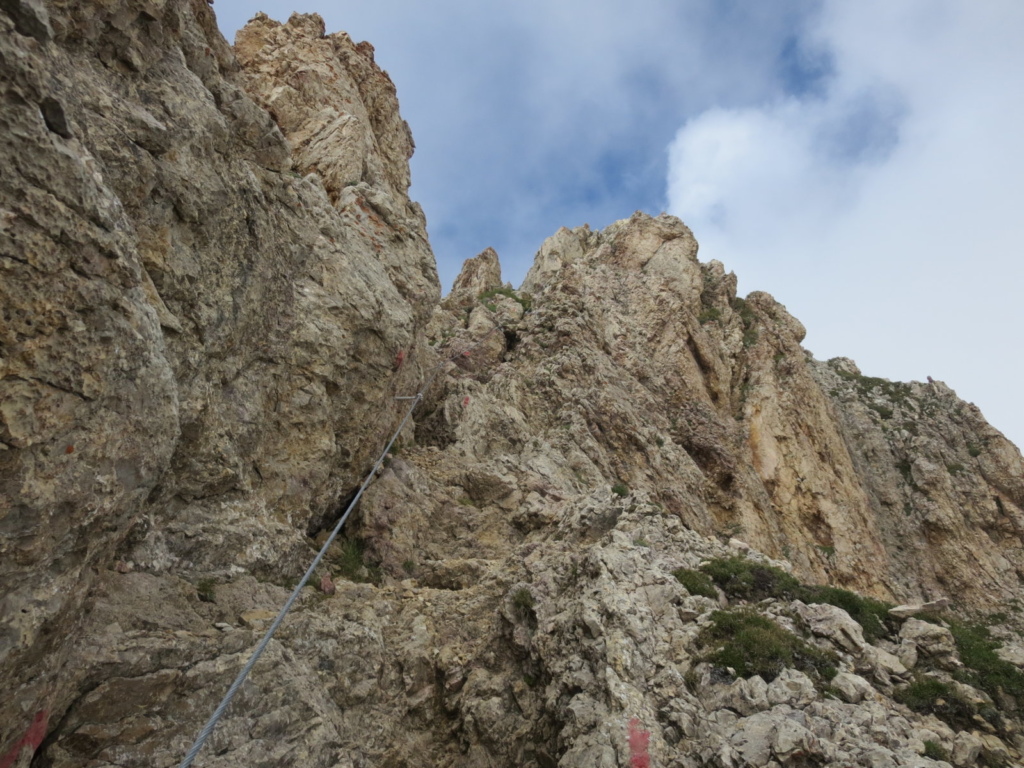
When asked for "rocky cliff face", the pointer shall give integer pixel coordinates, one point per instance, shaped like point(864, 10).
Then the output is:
point(199, 336)
point(214, 285)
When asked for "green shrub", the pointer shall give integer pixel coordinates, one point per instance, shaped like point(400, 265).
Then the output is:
point(696, 582)
point(883, 411)
point(522, 601)
point(973, 450)
point(747, 580)
point(871, 614)
point(935, 751)
point(749, 319)
point(984, 669)
point(620, 489)
point(524, 299)
point(523, 598)
point(351, 563)
point(205, 589)
point(897, 391)
point(709, 315)
point(928, 695)
point(752, 645)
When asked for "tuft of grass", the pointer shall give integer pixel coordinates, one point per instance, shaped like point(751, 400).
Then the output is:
point(927, 695)
point(523, 602)
point(871, 614)
point(749, 319)
point(896, 391)
point(709, 315)
point(352, 566)
point(206, 590)
point(883, 411)
point(620, 489)
point(755, 645)
point(524, 299)
point(696, 582)
point(935, 751)
point(983, 668)
point(973, 450)
point(746, 580)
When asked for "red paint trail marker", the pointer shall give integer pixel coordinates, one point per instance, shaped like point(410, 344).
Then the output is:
point(638, 741)
point(33, 738)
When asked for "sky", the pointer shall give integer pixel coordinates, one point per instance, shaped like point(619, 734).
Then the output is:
point(862, 162)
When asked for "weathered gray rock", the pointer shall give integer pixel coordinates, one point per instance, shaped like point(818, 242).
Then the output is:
point(198, 349)
point(853, 688)
point(967, 749)
point(217, 286)
point(929, 639)
point(834, 624)
point(905, 611)
point(792, 688)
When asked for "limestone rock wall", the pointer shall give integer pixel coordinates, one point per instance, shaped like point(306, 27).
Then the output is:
point(213, 284)
point(199, 333)
point(639, 365)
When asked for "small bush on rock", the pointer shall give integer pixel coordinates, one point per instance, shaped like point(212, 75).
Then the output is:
point(983, 668)
point(752, 645)
point(522, 599)
point(524, 299)
point(351, 564)
point(696, 582)
point(935, 751)
point(205, 589)
point(928, 695)
point(747, 580)
point(871, 614)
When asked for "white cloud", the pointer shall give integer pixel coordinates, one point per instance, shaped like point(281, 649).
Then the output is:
point(884, 211)
point(861, 161)
point(533, 115)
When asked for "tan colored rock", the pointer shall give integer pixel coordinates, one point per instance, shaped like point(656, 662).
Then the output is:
point(218, 287)
point(257, 619)
point(480, 274)
point(198, 346)
point(905, 611)
point(793, 688)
